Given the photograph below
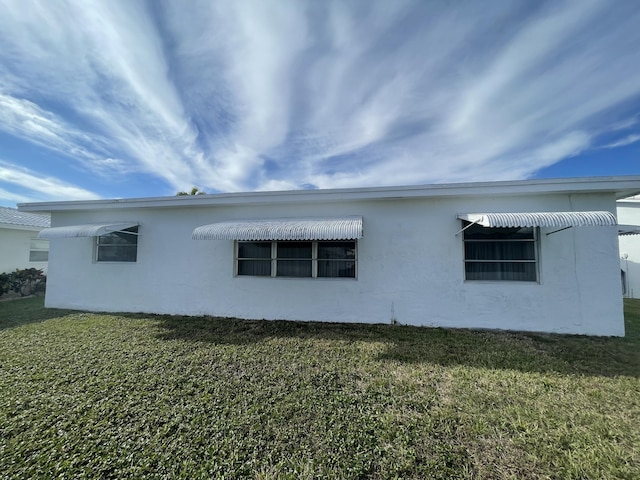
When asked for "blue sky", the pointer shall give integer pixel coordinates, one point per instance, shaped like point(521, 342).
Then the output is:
point(104, 99)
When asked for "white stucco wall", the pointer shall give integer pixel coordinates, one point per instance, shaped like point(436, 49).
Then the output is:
point(409, 258)
point(629, 214)
point(14, 250)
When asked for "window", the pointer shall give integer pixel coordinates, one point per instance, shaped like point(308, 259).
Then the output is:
point(336, 259)
point(119, 246)
point(39, 250)
point(294, 259)
point(317, 259)
point(505, 254)
point(254, 258)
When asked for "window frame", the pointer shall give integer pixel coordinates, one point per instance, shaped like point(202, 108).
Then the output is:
point(134, 231)
point(33, 249)
point(313, 259)
point(535, 261)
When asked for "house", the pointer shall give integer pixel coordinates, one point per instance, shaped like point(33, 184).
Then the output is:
point(629, 219)
point(20, 246)
point(538, 255)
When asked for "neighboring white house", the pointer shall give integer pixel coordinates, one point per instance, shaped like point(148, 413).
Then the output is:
point(20, 246)
point(629, 219)
point(497, 255)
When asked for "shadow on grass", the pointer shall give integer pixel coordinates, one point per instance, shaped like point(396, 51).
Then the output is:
point(527, 352)
point(23, 311)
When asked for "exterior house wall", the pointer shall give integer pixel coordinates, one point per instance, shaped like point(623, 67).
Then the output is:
point(15, 244)
point(629, 214)
point(410, 266)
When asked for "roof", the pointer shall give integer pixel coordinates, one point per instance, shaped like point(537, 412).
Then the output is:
point(13, 218)
point(343, 228)
point(621, 187)
point(630, 200)
point(625, 230)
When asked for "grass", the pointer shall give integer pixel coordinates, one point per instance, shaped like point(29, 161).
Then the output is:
point(144, 396)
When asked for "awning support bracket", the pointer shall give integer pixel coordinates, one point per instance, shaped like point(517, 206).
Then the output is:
point(559, 230)
point(470, 225)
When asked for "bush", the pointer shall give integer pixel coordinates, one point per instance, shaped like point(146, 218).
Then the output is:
point(23, 282)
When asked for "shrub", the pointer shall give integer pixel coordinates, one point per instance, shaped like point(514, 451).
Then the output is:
point(23, 282)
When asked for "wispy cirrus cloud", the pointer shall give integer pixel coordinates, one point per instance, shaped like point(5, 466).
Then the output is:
point(290, 94)
point(13, 198)
point(628, 140)
point(103, 63)
point(35, 187)
point(24, 119)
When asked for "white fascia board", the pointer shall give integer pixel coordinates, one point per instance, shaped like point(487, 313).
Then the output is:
point(620, 186)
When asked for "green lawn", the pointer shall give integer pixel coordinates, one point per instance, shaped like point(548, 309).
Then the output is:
point(145, 396)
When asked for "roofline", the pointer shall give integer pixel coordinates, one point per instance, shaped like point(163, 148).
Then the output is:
point(622, 187)
point(631, 200)
point(15, 226)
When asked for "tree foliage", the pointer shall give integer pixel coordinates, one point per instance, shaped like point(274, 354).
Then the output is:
point(193, 191)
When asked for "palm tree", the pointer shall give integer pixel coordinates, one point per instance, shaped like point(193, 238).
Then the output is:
point(194, 191)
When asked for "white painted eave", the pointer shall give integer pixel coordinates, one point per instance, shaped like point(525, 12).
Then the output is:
point(621, 187)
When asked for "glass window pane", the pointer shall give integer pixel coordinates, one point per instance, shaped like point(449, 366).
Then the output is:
point(113, 239)
point(504, 244)
point(118, 246)
point(294, 268)
point(39, 244)
point(525, 272)
point(337, 250)
point(520, 250)
point(254, 250)
point(254, 267)
point(120, 238)
point(478, 232)
point(294, 250)
point(38, 256)
point(117, 253)
point(339, 268)
point(294, 259)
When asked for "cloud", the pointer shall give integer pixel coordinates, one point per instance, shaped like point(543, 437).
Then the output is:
point(24, 119)
point(260, 95)
point(628, 140)
point(36, 187)
point(623, 124)
point(104, 63)
point(12, 197)
point(387, 93)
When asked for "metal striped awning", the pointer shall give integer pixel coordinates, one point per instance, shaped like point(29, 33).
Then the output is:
point(342, 228)
point(624, 230)
point(541, 219)
point(86, 230)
